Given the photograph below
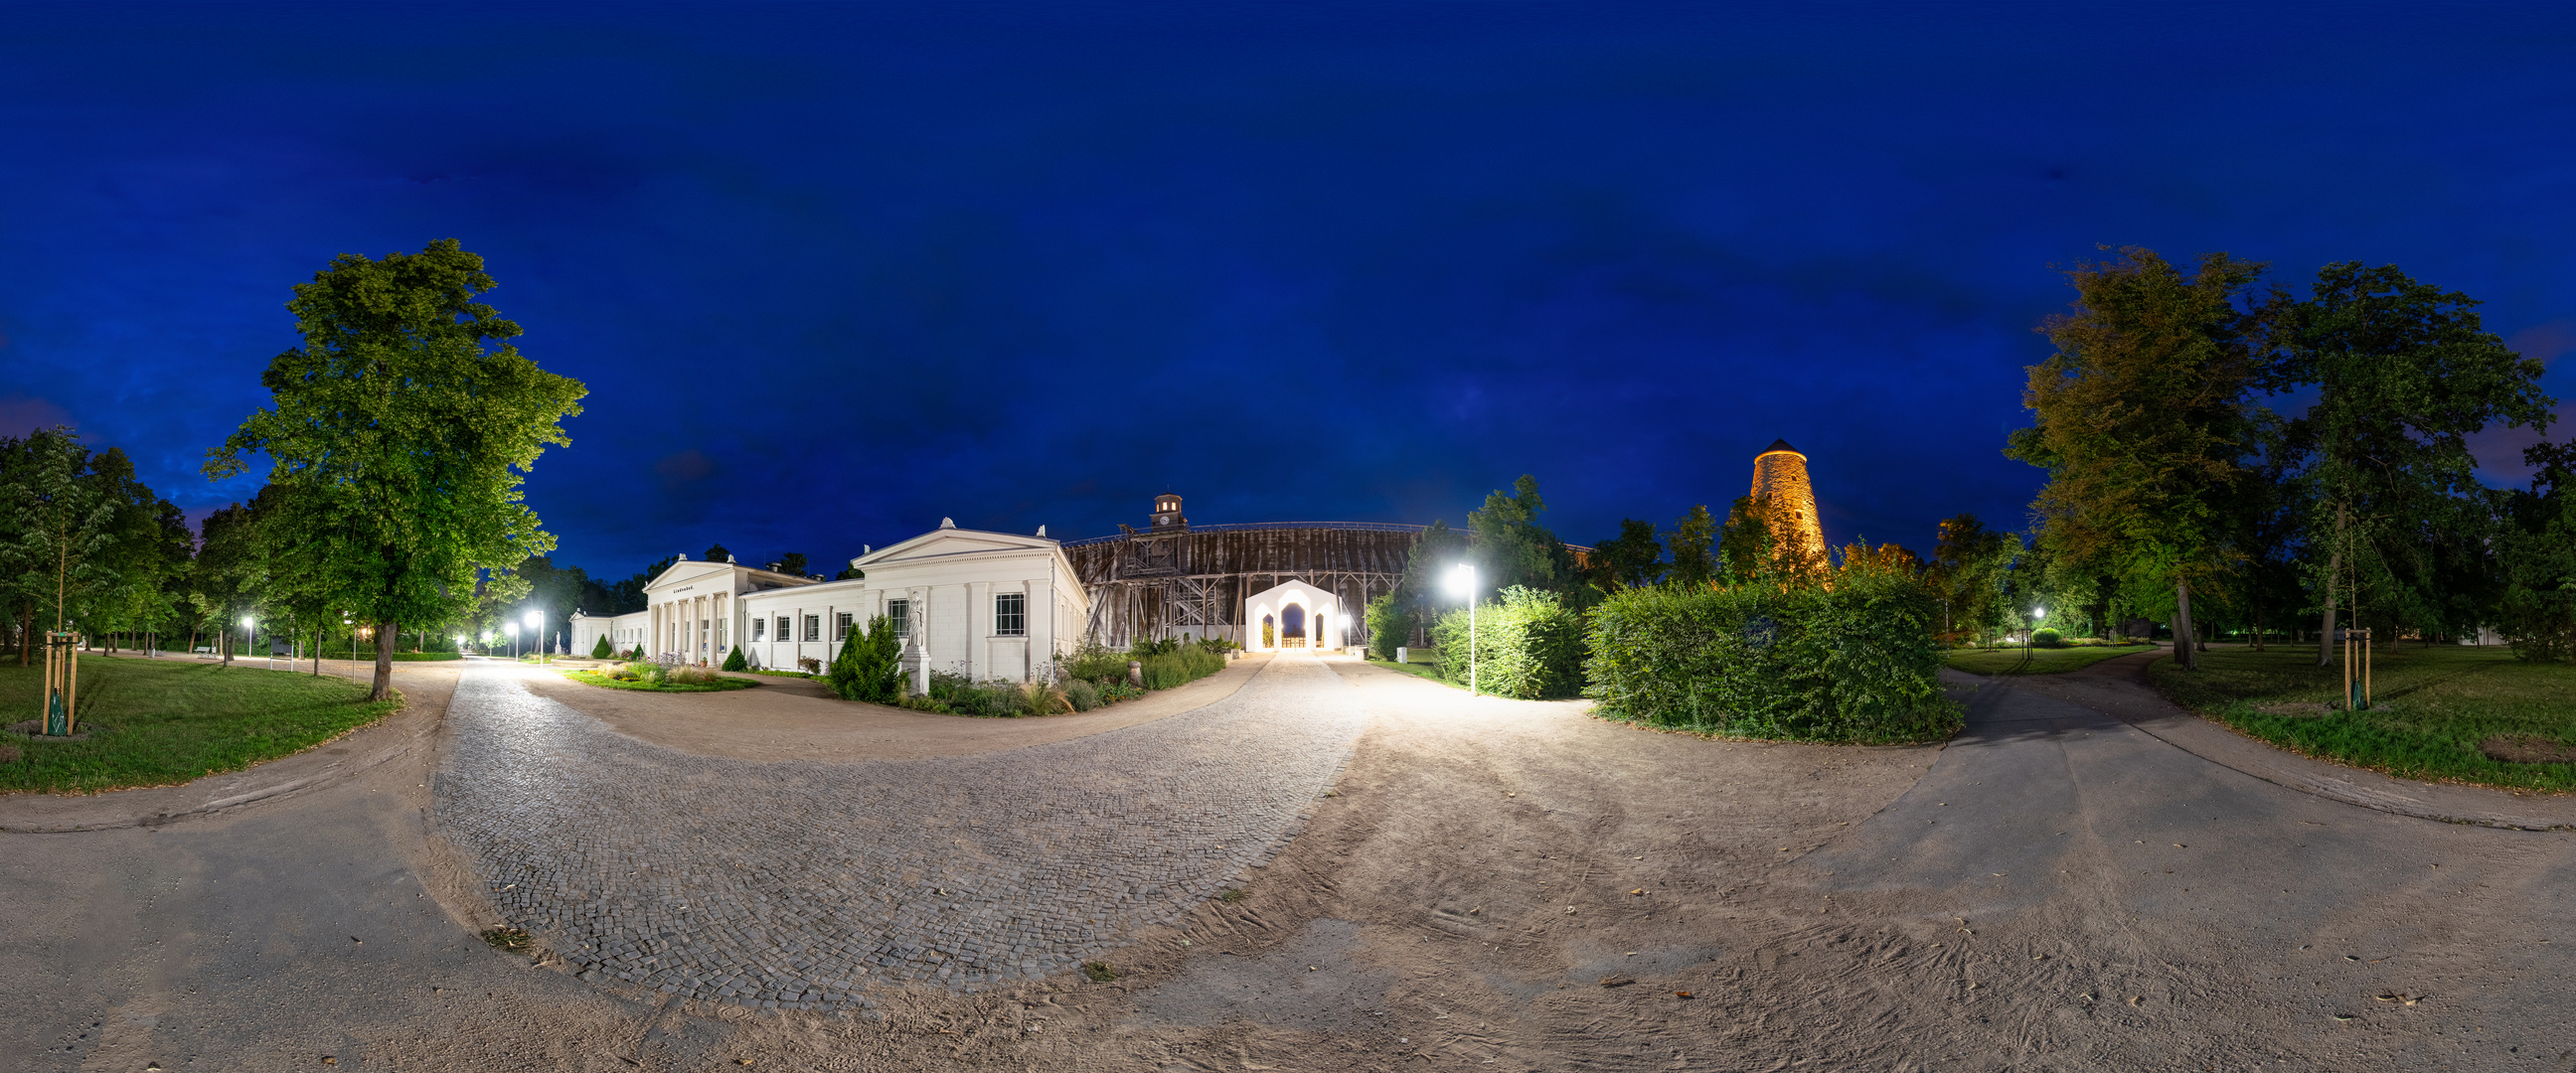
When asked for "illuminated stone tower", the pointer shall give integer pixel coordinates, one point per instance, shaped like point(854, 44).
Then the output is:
point(1780, 485)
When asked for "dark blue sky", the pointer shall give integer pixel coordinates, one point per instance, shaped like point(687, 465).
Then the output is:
point(834, 272)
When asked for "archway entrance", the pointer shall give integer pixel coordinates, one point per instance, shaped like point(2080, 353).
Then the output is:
point(1292, 626)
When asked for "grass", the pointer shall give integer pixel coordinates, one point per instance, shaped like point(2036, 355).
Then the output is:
point(1099, 972)
point(594, 678)
point(777, 674)
point(1415, 669)
point(2042, 660)
point(2432, 708)
point(156, 723)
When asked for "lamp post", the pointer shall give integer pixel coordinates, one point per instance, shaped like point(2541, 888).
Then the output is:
point(536, 623)
point(246, 635)
point(513, 629)
point(1462, 582)
point(2036, 614)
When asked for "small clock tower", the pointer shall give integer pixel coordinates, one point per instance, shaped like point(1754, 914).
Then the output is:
point(1167, 514)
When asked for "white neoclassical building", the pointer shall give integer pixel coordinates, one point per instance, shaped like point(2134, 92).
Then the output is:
point(984, 604)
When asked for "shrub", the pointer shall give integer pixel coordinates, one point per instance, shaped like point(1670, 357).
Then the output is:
point(734, 660)
point(1117, 689)
point(1527, 645)
point(1218, 645)
point(689, 676)
point(1849, 660)
point(1389, 623)
point(1146, 648)
point(809, 665)
point(870, 666)
point(1094, 663)
point(2047, 639)
point(600, 650)
point(1083, 695)
point(1180, 667)
point(1044, 698)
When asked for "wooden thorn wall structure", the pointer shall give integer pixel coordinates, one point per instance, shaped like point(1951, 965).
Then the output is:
point(1167, 582)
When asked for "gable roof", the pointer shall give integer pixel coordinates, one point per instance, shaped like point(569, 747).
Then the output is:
point(686, 569)
point(1780, 445)
point(947, 540)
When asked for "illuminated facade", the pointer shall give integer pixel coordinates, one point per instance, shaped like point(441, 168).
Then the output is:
point(1780, 485)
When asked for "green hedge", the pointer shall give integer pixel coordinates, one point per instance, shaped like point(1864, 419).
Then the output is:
point(1853, 660)
point(1527, 645)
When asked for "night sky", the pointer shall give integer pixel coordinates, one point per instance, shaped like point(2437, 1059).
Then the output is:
point(834, 272)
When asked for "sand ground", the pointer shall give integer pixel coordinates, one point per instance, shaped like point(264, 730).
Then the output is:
point(1492, 884)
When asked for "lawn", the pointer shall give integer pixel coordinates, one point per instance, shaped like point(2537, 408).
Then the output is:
point(156, 722)
point(2433, 710)
point(1424, 670)
point(2042, 660)
point(719, 685)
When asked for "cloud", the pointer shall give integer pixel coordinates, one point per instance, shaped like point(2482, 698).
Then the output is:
point(2545, 341)
point(685, 467)
point(22, 414)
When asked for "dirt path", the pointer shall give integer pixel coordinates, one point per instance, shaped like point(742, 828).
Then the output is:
point(2053, 890)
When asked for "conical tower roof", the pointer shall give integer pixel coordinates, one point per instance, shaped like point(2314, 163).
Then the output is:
point(1777, 445)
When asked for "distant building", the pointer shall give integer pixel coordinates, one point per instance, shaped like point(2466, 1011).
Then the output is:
point(1780, 486)
point(1173, 579)
point(983, 604)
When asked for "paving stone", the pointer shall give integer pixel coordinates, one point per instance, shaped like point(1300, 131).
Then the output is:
point(797, 883)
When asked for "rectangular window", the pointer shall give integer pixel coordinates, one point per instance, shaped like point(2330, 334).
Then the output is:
point(782, 628)
point(759, 630)
point(1011, 614)
point(899, 617)
point(841, 626)
point(813, 627)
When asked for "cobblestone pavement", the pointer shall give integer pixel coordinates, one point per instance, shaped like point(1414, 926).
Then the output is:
point(795, 885)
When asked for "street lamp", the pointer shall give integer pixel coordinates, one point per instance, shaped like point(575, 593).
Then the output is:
point(1346, 628)
point(1462, 583)
point(247, 639)
point(2036, 614)
point(536, 622)
point(513, 630)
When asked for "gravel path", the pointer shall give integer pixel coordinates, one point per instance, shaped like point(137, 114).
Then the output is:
point(796, 885)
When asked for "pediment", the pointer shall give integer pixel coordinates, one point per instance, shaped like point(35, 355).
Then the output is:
point(942, 543)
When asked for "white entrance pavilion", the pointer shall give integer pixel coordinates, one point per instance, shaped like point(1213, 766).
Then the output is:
point(1298, 615)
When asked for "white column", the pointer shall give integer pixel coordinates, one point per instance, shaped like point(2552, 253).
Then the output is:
point(979, 613)
point(1041, 620)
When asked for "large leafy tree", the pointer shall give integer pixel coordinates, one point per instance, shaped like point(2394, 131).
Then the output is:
point(2404, 373)
point(1744, 544)
point(2538, 549)
point(1697, 554)
point(1512, 547)
point(1971, 572)
point(63, 529)
point(403, 428)
point(2144, 419)
point(1634, 559)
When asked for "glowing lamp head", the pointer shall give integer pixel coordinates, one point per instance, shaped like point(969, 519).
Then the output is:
point(1462, 580)
point(512, 627)
point(2038, 613)
point(245, 621)
point(535, 619)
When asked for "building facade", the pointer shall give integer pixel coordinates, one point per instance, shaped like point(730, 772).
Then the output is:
point(983, 604)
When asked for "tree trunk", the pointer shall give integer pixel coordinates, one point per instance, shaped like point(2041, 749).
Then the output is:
point(2334, 568)
point(224, 641)
point(2185, 632)
point(317, 651)
point(384, 684)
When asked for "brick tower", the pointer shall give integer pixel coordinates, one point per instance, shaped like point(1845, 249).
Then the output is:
point(1780, 485)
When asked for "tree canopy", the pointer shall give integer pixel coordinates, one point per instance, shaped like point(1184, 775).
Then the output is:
point(401, 430)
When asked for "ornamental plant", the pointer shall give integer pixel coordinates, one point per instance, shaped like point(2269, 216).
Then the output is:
point(1846, 657)
point(600, 650)
point(734, 660)
point(1526, 644)
point(870, 666)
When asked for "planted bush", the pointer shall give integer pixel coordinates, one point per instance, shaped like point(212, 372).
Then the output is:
point(2047, 639)
point(1389, 623)
point(600, 650)
point(1851, 659)
point(1083, 695)
point(734, 660)
point(870, 664)
point(1526, 645)
point(1183, 665)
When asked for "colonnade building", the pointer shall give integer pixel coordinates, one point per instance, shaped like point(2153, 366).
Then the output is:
point(984, 604)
